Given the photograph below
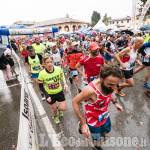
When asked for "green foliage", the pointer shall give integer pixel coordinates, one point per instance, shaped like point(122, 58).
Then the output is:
point(95, 18)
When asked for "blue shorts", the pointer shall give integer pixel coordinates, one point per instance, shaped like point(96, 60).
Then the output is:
point(34, 75)
point(97, 132)
point(108, 57)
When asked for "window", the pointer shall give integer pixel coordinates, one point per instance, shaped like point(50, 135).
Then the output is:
point(113, 22)
point(122, 21)
point(127, 21)
point(117, 22)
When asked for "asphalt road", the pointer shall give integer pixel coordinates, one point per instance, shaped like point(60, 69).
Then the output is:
point(130, 128)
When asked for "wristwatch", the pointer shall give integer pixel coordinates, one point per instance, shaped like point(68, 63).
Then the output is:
point(114, 102)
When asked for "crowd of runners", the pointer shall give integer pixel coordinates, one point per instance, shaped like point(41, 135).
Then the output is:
point(102, 61)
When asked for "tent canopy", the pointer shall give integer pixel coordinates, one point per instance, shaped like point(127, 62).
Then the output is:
point(83, 30)
point(99, 25)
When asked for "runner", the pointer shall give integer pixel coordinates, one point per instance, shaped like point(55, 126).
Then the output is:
point(51, 76)
point(145, 51)
point(109, 50)
point(128, 56)
point(74, 56)
point(25, 53)
point(92, 64)
point(97, 95)
point(58, 57)
point(122, 43)
point(33, 62)
point(38, 47)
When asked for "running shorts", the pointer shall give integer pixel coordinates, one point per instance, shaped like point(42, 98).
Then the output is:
point(127, 73)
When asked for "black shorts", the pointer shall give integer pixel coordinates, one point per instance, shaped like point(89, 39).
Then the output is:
point(57, 97)
point(146, 63)
point(127, 73)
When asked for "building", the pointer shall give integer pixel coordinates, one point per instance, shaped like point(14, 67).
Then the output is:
point(25, 23)
point(120, 22)
point(64, 24)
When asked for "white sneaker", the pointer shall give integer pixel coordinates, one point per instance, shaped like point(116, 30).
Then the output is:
point(43, 97)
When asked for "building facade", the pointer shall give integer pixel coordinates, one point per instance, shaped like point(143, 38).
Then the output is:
point(120, 22)
point(66, 24)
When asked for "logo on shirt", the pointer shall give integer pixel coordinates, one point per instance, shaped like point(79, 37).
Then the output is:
point(101, 103)
point(98, 65)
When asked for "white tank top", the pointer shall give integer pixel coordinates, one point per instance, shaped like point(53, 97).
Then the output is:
point(129, 61)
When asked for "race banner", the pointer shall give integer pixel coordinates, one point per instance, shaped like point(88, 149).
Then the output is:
point(27, 135)
point(144, 11)
point(134, 11)
point(25, 31)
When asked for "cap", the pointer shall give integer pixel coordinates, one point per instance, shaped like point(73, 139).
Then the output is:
point(53, 44)
point(74, 43)
point(93, 46)
point(30, 48)
point(36, 38)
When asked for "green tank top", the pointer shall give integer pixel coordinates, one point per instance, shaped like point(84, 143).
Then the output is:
point(38, 49)
point(52, 80)
point(35, 64)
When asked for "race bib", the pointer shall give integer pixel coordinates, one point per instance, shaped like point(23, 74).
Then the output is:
point(53, 86)
point(36, 68)
point(92, 78)
point(74, 73)
point(103, 116)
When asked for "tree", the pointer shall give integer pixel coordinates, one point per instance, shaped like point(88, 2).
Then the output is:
point(141, 5)
point(105, 19)
point(95, 18)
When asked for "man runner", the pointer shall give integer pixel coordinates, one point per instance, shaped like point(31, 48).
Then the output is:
point(97, 95)
point(128, 56)
point(92, 63)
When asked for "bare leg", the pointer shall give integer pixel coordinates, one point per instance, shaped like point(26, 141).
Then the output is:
point(139, 69)
point(147, 76)
point(128, 83)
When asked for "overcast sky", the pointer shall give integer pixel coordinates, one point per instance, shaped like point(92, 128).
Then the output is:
point(41, 10)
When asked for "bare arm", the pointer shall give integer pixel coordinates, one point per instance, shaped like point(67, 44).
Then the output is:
point(84, 95)
point(121, 54)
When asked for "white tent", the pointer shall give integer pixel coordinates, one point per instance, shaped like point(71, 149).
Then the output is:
point(99, 25)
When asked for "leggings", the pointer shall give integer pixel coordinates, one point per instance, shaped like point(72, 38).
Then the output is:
point(7, 73)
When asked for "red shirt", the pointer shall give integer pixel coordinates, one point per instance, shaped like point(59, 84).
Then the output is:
point(93, 110)
point(92, 66)
point(25, 54)
point(62, 41)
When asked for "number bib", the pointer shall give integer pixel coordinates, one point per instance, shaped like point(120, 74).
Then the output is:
point(103, 116)
point(92, 78)
point(74, 73)
point(53, 86)
point(36, 68)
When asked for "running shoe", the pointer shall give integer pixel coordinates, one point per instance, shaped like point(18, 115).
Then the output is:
point(147, 93)
point(121, 93)
point(56, 120)
point(117, 90)
point(147, 85)
point(43, 97)
point(61, 113)
point(70, 79)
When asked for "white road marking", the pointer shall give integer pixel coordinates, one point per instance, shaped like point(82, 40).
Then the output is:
point(46, 122)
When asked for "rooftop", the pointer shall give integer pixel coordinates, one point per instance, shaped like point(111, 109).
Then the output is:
point(66, 19)
point(25, 22)
point(119, 19)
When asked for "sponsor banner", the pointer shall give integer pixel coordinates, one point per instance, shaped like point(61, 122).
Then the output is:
point(30, 31)
point(27, 135)
point(134, 10)
point(144, 11)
